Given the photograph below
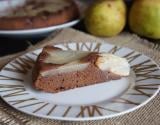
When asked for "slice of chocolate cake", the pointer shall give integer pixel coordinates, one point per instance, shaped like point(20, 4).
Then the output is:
point(58, 70)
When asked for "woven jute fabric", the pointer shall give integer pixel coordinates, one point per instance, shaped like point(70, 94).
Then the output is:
point(146, 115)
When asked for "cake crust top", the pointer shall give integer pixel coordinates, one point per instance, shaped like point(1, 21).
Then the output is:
point(37, 7)
point(53, 58)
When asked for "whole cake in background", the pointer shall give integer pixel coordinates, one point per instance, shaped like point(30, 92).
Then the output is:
point(57, 70)
point(38, 14)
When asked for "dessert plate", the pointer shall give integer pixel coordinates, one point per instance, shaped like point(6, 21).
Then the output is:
point(38, 31)
point(105, 100)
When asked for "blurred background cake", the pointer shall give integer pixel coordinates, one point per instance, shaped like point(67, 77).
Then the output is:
point(38, 13)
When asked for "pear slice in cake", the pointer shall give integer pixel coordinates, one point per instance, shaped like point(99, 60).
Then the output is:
point(58, 70)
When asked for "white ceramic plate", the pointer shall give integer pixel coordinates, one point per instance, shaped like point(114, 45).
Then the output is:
point(38, 30)
point(105, 100)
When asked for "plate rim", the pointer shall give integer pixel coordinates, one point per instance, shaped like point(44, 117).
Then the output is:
point(37, 30)
point(88, 118)
point(94, 117)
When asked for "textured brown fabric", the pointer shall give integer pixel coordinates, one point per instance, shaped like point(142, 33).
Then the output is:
point(146, 115)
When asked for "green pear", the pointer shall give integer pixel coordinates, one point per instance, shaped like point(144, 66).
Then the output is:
point(106, 17)
point(144, 18)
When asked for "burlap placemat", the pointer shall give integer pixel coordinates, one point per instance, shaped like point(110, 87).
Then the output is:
point(146, 115)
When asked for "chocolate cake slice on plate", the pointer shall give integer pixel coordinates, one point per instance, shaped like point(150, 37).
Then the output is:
point(58, 70)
